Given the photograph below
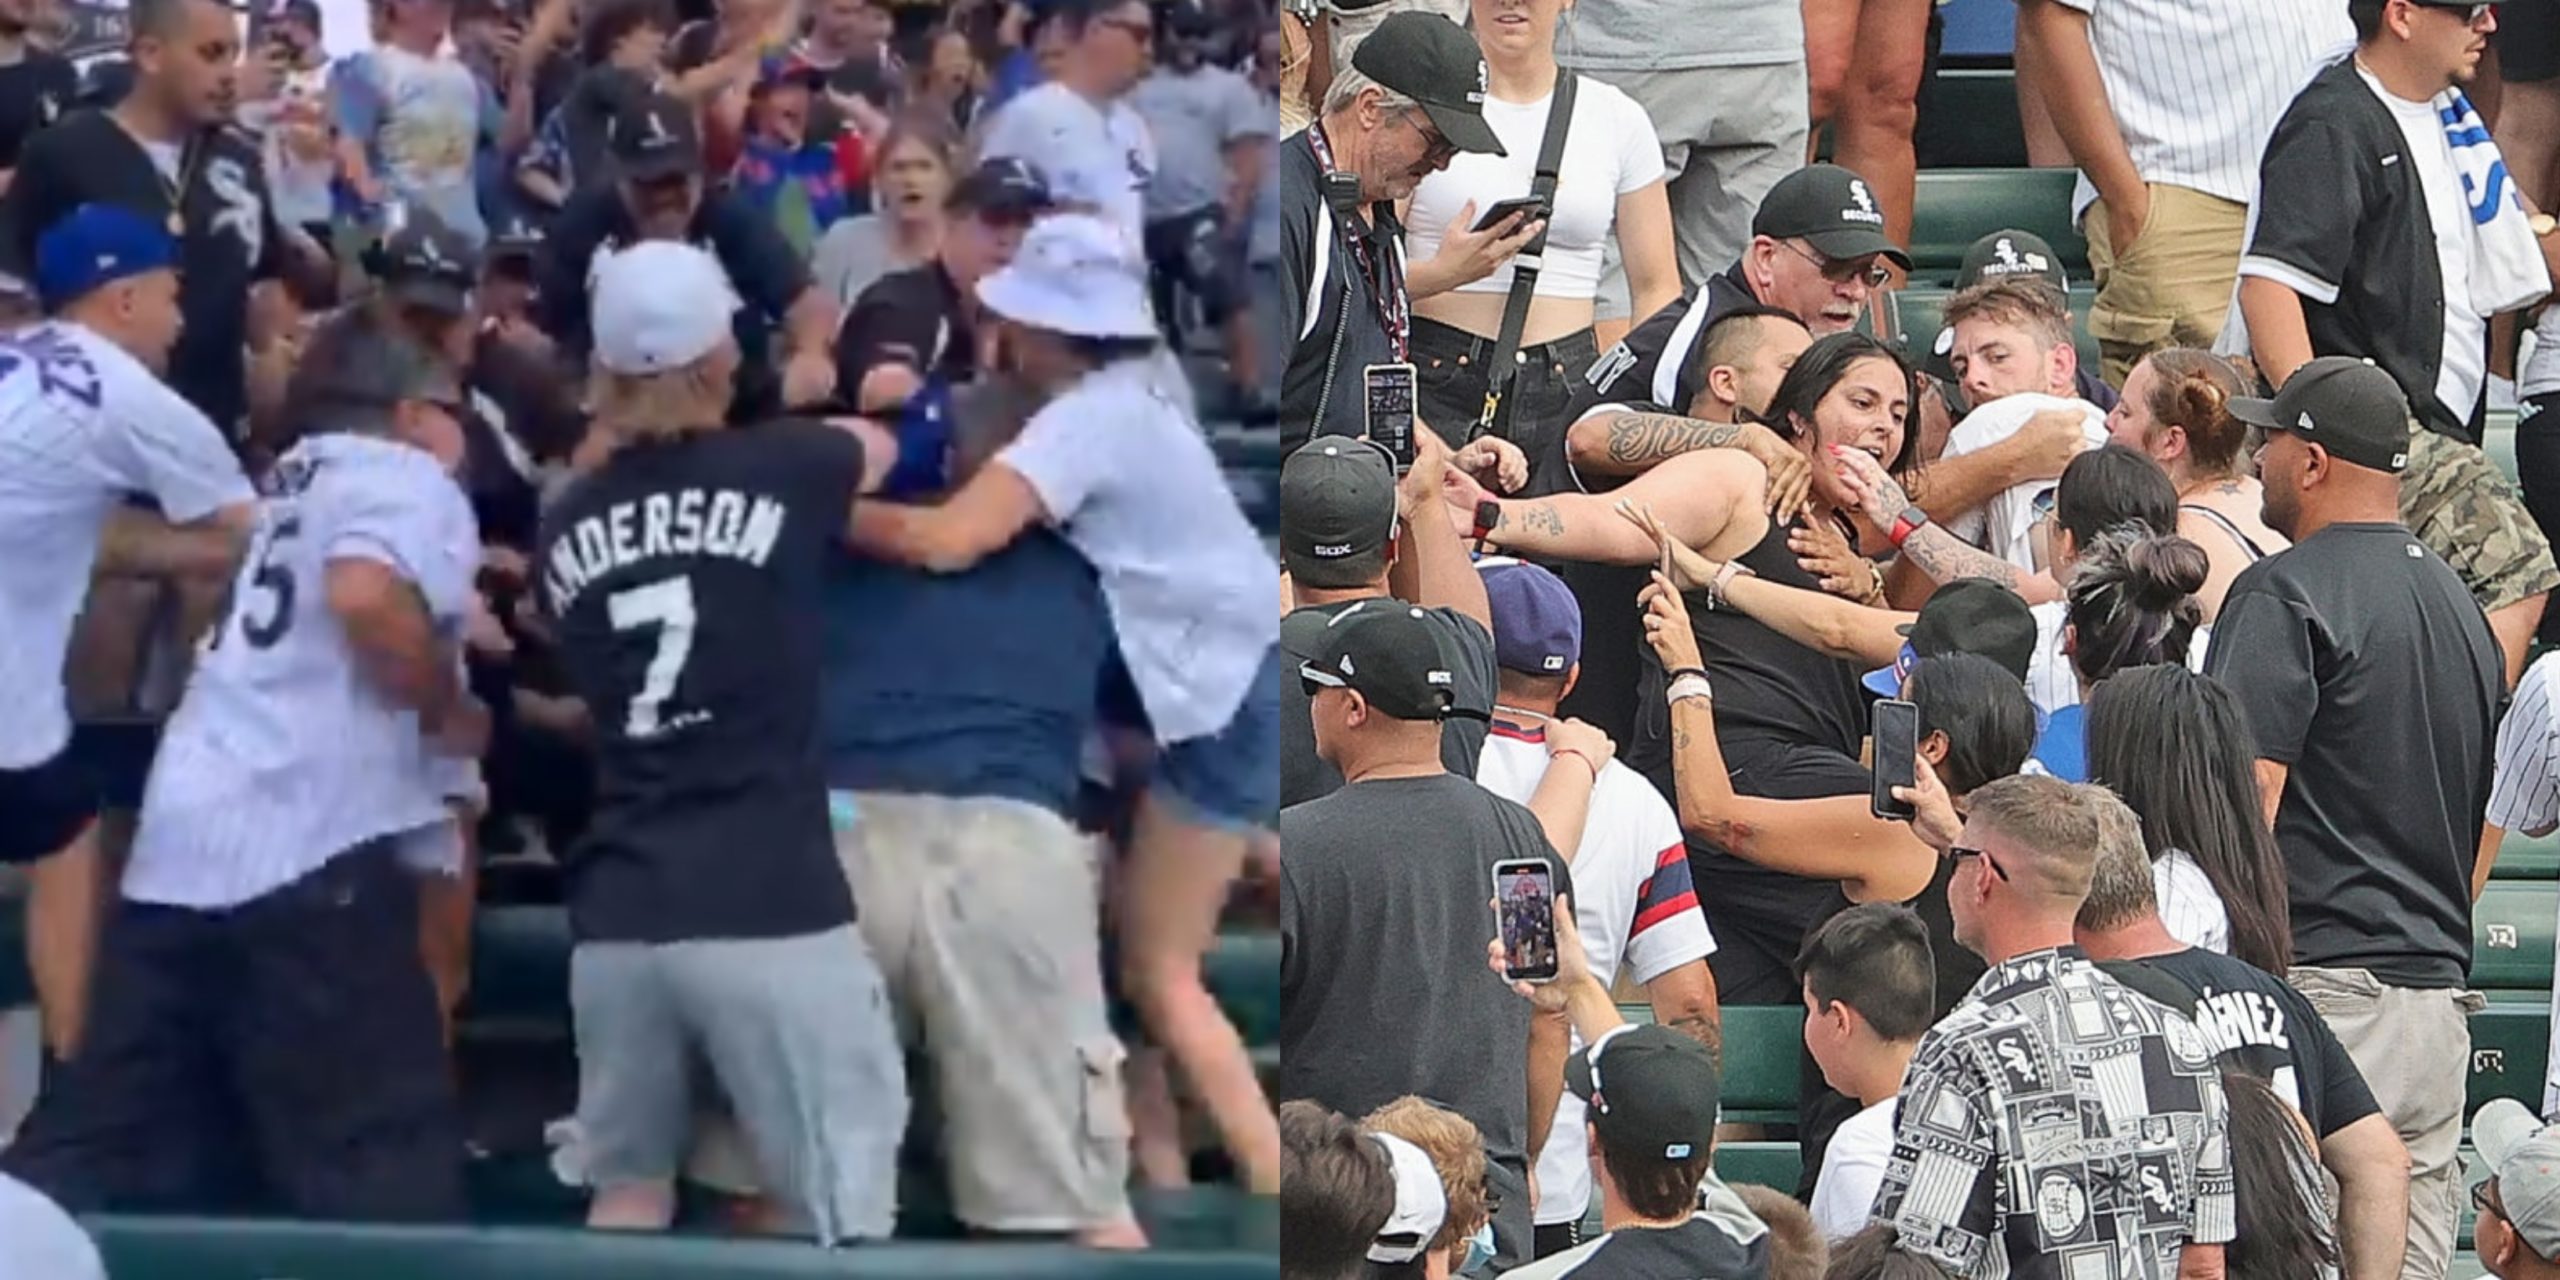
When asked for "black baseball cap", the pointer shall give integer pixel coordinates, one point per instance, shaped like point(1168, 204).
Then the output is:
point(425, 262)
point(516, 237)
point(1649, 1089)
point(1191, 20)
point(1997, 256)
point(2344, 405)
point(1436, 63)
point(1968, 615)
point(1004, 187)
point(1390, 653)
point(1830, 208)
point(654, 138)
point(1337, 502)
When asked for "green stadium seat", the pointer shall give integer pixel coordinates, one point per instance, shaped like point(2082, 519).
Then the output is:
point(1778, 1165)
point(2509, 1042)
point(205, 1249)
point(2511, 936)
point(2524, 857)
point(1762, 1048)
point(1959, 206)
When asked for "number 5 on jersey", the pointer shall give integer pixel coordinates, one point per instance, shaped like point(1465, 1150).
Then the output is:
point(668, 606)
point(265, 611)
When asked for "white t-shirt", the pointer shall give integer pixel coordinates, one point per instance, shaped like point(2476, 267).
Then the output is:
point(82, 424)
point(1844, 1194)
point(1633, 901)
point(38, 1241)
point(2189, 907)
point(1610, 151)
point(2051, 683)
point(1128, 478)
point(2466, 332)
point(2540, 373)
point(1087, 154)
point(2005, 526)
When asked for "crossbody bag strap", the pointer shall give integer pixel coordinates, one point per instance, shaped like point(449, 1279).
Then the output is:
point(1525, 265)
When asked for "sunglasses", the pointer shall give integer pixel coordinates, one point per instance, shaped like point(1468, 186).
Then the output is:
point(1875, 275)
point(1437, 147)
point(1959, 853)
point(2471, 14)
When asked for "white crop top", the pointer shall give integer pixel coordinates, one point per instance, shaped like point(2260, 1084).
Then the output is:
point(1611, 150)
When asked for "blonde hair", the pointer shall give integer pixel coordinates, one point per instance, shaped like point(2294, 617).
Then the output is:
point(1456, 1149)
point(651, 405)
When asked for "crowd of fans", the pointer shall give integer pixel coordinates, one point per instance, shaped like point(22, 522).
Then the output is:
point(2156, 962)
point(742, 471)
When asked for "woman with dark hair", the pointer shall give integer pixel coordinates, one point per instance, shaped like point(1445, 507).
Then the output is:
point(2175, 747)
point(2131, 603)
point(2176, 411)
point(1790, 719)
point(2286, 1231)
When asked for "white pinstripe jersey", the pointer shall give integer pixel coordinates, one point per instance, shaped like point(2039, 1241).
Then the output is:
point(82, 424)
point(282, 754)
point(2525, 798)
point(2197, 85)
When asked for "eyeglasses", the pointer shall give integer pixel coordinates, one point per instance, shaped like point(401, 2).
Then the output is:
point(2471, 14)
point(2482, 1200)
point(1844, 270)
point(1437, 149)
point(1138, 29)
point(1959, 853)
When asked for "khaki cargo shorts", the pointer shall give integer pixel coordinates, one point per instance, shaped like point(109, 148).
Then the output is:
point(2468, 512)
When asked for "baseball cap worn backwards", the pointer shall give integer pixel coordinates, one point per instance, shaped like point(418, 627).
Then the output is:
point(1337, 501)
point(1969, 615)
point(1421, 1203)
point(1390, 653)
point(2344, 405)
point(1436, 63)
point(1831, 209)
point(1649, 1089)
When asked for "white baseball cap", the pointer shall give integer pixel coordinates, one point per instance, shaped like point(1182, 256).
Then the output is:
point(1075, 274)
point(1421, 1203)
point(658, 305)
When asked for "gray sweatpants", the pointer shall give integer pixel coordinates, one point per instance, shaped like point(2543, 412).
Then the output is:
point(798, 1034)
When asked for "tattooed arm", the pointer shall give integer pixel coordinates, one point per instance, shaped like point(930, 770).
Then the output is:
point(1696, 496)
point(2039, 450)
point(1630, 443)
point(1930, 548)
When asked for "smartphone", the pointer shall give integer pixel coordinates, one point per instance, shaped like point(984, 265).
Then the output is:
point(1524, 893)
point(1503, 209)
point(1896, 730)
point(1390, 392)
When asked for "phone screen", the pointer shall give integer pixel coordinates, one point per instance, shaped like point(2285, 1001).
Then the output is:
point(1896, 727)
point(1390, 391)
point(1503, 209)
point(1525, 891)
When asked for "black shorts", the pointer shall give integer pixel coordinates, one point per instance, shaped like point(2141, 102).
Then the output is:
point(2528, 40)
point(42, 808)
point(1193, 253)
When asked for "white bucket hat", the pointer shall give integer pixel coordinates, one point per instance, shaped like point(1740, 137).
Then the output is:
point(1075, 274)
point(658, 305)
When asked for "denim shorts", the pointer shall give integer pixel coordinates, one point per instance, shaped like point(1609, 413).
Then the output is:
point(1230, 779)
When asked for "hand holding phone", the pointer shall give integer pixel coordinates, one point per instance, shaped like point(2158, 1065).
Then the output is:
point(1896, 733)
point(1390, 399)
point(1502, 211)
point(1524, 895)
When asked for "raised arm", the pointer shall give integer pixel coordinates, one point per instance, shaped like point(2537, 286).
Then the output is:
point(1930, 548)
point(2038, 450)
point(1831, 838)
point(1628, 442)
point(1698, 497)
point(1431, 568)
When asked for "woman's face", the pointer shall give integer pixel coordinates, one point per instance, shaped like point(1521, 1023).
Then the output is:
point(1516, 26)
point(913, 180)
point(1867, 409)
point(2130, 423)
point(953, 67)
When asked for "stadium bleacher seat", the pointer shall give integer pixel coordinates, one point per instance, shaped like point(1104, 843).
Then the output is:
point(1762, 1047)
point(1958, 206)
point(2510, 1040)
point(2524, 857)
point(1771, 1164)
point(2511, 935)
point(206, 1249)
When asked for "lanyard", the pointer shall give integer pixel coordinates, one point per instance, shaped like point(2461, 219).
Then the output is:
point(1386, 281)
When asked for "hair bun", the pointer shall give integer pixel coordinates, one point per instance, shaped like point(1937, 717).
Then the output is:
point(2162, 571)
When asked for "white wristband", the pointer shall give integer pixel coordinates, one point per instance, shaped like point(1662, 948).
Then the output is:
point(1690, 686)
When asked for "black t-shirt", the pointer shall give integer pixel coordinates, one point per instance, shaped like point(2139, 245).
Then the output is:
point(762, 267)
point(2257, 1023)
point(1655, 368)
point(231, 241)
point(1699, 1249)
point(686, 579)
point(2365, 667)
point(34, 92)
point(1304, 775)
point(912, 317)
point(1383, 985)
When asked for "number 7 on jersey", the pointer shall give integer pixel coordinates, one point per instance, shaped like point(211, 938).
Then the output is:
point(668, 606)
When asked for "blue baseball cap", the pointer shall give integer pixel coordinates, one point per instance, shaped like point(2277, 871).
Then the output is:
point(1537, 624)
point(96, 245)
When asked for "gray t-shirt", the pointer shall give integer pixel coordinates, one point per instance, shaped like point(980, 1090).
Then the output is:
point(1195, 117)
point(852, 256)
point(1384, 917)
point(1673, 35)
point(1304, 775)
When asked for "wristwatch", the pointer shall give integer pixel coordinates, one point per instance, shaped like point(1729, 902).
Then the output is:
point(1488, 515)
point(1906, 524)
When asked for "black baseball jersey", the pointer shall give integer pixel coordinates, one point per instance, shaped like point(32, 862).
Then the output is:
point(35, 91)
point(231, 238)
point(684, 577)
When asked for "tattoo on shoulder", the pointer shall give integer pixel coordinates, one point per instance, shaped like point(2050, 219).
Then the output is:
point(1639, 439)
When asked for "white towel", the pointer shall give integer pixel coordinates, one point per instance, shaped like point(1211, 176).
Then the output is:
point(2507, 267)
